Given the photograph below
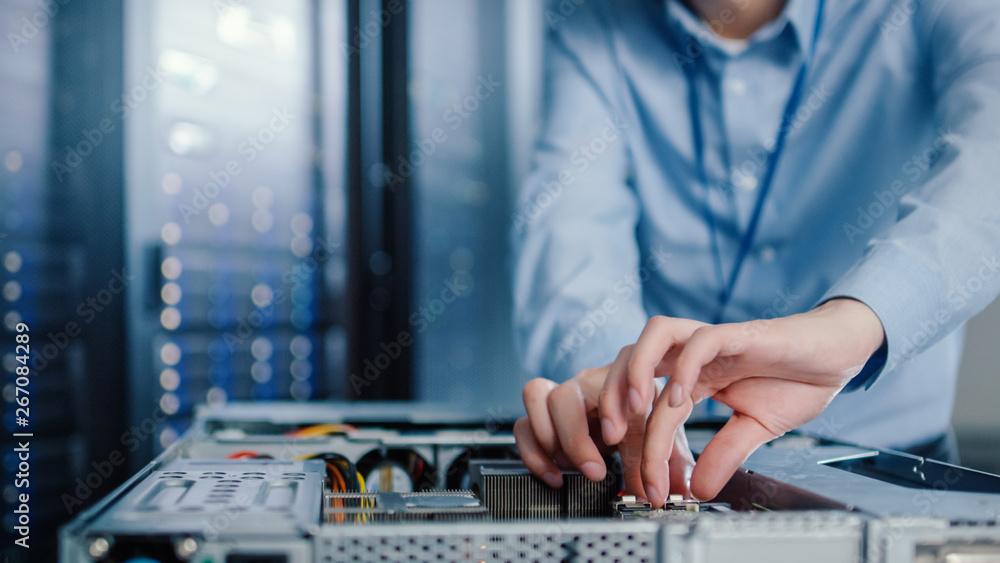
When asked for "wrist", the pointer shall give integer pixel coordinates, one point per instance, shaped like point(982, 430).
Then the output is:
point(857, 321)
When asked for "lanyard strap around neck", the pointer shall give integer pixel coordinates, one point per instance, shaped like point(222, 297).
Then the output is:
point(791, 106)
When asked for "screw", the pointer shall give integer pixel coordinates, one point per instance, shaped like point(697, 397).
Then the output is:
point(99, 548)
point(186, 548)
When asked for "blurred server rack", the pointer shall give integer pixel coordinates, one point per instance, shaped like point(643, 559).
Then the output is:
point(59, 273)
point(235, 207)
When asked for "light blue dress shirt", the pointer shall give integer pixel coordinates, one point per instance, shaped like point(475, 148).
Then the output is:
point(887, 191)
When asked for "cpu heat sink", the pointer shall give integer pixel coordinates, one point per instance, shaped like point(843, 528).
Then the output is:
point(511, 492)
point(377, 507)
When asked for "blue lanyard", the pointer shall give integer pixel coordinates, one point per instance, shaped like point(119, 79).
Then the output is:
point(726, 289)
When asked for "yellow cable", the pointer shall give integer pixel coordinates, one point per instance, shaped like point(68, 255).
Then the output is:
point(321, 430)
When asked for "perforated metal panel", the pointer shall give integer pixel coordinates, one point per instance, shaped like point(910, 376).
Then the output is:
point(514, 541)
point(221, 498)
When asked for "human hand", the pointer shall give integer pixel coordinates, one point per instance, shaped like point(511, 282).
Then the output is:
point(562, 428)
point(776, 375)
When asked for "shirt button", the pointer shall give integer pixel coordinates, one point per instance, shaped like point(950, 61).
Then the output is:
point(737, 86)
point(767, 254)
point(744, 181)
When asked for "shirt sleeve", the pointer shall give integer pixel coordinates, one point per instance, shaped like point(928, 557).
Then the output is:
point(574, 226)
point(937, 266)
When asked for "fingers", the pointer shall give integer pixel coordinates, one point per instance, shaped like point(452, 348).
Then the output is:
point(724, 454)
point(659, 336)
point(568, 413)
point(630, 449)
point(658, 449)
point(536, 396)
point(535, 458)
point(704, 346)
point(680, 465)
point(612, 403)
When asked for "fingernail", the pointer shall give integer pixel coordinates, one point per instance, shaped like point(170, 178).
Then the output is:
point(676, 397)
point(592, 471)
point(608, 429)
point(634, 400)
point(653, 496)
point(553, 479)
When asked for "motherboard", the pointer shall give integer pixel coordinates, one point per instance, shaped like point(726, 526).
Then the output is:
point(294, 483)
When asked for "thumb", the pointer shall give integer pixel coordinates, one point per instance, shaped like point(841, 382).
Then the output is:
point(724, 454)
point(630, 450)
point(681, 465)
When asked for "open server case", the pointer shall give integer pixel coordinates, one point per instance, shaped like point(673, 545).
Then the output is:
point(297, 483)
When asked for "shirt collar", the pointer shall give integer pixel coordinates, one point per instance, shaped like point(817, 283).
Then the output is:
point(800, 15)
